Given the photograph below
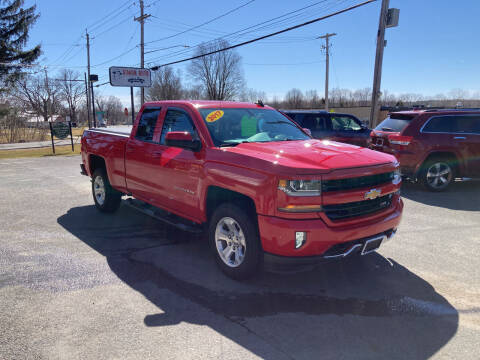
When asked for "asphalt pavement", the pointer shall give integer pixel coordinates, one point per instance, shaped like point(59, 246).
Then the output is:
point(78, 284)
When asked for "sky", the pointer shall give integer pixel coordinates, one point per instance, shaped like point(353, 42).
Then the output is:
point(433, 50)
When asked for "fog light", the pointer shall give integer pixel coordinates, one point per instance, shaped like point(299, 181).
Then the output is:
point(300, 238)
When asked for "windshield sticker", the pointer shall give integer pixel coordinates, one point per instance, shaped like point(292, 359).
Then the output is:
point(248, 126)
point(214, 116)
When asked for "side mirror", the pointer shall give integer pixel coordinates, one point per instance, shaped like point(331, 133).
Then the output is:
point(308, 131)
point(182, 139)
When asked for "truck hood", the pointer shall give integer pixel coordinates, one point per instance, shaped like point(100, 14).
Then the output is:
point(312, 154)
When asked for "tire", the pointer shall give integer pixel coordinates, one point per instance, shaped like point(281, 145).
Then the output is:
point(438, 174)
point(106, 198)
point(231, 225)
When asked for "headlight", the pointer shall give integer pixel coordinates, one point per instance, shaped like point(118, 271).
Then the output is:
point(397, 176)
point(301, 187)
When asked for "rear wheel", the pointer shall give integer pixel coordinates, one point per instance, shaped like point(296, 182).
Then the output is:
point(235, 242)
point(438, 174)
point(106, 198)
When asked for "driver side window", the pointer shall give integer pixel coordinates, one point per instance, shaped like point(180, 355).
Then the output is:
point(177, 120)
point(344, 123)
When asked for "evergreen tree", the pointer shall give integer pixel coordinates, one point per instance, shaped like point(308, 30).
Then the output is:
point(15, 22)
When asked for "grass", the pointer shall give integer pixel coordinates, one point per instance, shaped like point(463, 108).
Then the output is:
point(29, 135)
point(39, 152)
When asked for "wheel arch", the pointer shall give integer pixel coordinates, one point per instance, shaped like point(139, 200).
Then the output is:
point(96, 162)
point(443, 154)
point(217, 195)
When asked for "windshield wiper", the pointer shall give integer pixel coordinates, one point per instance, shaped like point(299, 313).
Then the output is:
point(233, 143)
point(388, 129)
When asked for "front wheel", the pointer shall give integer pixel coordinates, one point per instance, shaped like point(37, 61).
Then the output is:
point(438, 175)
point(106, 198)
point(234, 239)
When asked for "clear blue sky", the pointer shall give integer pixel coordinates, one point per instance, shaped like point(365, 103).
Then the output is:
point(435, 48)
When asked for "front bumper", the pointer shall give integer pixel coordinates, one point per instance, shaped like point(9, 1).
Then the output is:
point(278, 234)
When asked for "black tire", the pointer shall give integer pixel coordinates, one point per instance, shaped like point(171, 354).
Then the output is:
point(253, 253)
point(112, 198)
point(434, 166)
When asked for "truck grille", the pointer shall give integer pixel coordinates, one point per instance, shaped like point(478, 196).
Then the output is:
point(357, 208)
point(358, 182)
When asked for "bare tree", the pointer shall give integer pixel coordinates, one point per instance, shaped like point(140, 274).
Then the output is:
point(112, 108)
point(220, 74)
point(252, 95)
point(38, 94)
point(312, 100)
point(195, 92)
point(71, 91)
point(294, 99)
point(165, 86)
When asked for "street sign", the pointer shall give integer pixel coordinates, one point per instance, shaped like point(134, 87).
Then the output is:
point(60, 129)
point(130, 77)
point(393, 16)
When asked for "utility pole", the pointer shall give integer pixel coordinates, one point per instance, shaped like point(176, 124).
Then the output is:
point(327, 62)
point(88, 83)
point(141, 20)
point(377, 75)
point(88, 101)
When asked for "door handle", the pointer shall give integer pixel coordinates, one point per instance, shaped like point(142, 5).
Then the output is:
point(459, 137)
point(157, 154)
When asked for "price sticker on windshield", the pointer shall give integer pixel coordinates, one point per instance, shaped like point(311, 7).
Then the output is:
point(214, 116)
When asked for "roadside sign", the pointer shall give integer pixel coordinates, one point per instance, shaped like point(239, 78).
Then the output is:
point(130, 77)
point(393, 16)
point(60, 129)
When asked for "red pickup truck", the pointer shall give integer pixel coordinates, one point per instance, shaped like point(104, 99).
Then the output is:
point(264, 189)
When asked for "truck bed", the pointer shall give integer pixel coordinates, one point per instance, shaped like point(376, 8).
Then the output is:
point(120, 130)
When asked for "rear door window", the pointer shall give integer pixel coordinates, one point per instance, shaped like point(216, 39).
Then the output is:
point(314, 122)
point(147, 123)
point(395, 123)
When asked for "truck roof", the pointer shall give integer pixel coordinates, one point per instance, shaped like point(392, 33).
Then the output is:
point(209, 104)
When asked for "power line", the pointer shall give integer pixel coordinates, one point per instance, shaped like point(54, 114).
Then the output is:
point(112, 15)
point(285, 64)
point(254, 28)
point(268, 35)
point(205, 23)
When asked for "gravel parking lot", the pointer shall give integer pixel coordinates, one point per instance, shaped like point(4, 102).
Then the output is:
point(75, 283)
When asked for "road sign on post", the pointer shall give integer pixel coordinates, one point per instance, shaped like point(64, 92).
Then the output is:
point(130, 77)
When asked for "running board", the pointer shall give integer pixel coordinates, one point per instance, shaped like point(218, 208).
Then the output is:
point(164, 216)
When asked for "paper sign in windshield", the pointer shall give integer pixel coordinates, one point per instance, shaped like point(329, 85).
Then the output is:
point(214, 115)
point(248, 126)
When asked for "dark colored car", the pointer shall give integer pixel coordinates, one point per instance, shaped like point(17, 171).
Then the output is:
point(332, 126)
point(433, 146)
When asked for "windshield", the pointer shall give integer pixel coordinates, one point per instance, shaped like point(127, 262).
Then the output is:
point(394, 123)
point(230, 127)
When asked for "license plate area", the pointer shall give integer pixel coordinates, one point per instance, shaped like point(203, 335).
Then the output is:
point(372, 244)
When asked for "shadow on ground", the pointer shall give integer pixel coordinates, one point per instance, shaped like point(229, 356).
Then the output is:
point(462, 195)
point(369, 307)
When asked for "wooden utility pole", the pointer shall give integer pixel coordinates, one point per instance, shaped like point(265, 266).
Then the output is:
point(377, 76)
point(327, 62)
point(141, 19)
point(88, 101)
point(88, 79)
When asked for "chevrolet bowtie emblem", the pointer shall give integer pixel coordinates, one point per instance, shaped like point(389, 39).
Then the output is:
point(372, 194)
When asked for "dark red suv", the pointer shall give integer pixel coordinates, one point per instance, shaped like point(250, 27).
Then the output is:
point(433, 146)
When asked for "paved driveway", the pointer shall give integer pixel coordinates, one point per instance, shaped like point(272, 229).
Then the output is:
point(75, 283)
